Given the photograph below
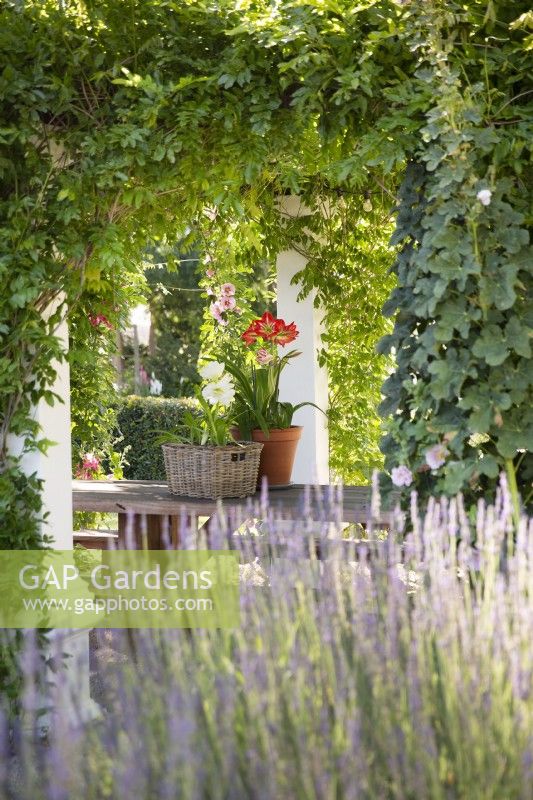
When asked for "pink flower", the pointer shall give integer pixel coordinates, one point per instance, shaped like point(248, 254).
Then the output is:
point(227, 289)
point(401, 476)
point(210, 273)
point(90, 462)
point(227, 303)
point(84, 474)
point(216, 311)
point(263, 357)
point(436, 455)
point(100, 319)
point(484, 196)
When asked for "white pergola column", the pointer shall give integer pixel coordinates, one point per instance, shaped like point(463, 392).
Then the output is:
point(303, 379)
point(54, 467)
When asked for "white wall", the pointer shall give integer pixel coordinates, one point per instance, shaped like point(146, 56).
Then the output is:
point(303, 379)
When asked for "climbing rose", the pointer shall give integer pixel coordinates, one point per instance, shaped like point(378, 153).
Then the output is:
point(216, 312)
point(401, 476)
point(484, 196)
point(436, 456)
point(227, 303)
point(227, 289)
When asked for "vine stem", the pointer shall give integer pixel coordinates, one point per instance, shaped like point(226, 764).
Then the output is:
point(513, 488)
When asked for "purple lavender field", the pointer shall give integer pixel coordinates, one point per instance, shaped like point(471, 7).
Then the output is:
point(400, 668)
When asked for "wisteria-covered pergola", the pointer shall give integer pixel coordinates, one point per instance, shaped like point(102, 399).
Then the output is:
point(119, 132)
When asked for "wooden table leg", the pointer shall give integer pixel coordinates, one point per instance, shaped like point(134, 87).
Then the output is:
point(147, 531)
point(174, 532)
point(140, 531)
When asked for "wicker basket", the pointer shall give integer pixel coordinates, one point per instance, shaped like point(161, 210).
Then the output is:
point(212, 472)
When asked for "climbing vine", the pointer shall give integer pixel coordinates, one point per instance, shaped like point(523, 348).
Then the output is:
point(459, 401)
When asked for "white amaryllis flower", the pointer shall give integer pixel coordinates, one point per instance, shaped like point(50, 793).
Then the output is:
point(221, 391)
point(212, 371)
point(484, 196)
point(401, 476)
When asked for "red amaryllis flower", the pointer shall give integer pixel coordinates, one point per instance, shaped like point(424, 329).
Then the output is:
point(270, 329)
point(249, 336)
point(265, 326)
point(283, 333)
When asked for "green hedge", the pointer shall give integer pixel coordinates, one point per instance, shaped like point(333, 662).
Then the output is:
point(140, 420)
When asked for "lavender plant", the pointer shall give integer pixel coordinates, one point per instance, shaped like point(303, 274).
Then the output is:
point(384, 669)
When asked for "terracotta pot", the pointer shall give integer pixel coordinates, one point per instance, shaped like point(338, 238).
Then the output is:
point(235, 432)
point(277, 455)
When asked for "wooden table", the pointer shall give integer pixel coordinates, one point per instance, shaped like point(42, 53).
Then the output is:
point(146, 509)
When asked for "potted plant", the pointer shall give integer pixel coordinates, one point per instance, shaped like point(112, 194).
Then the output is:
point(258, 411)
point(202, 458)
